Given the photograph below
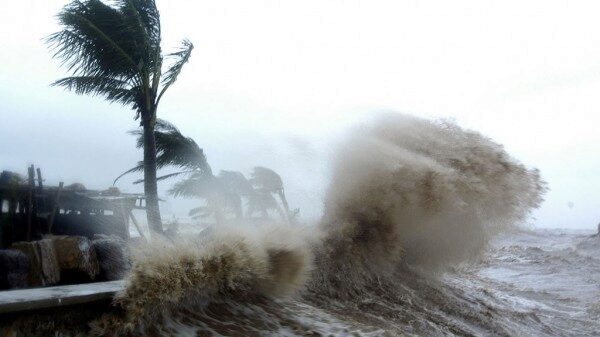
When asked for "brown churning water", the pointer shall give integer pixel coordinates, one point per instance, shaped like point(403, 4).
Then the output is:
point(408, 199)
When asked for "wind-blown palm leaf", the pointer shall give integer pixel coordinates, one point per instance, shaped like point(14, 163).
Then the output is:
point(139, 167)
point(182, 57)
point(113, 90)
point(236, 182)
point(267, 179)
point(197, 185)
point(218, 192)
point(91, 84)
point(144, 18)
point(164, 177)
point(173, 149)
point(97, 41)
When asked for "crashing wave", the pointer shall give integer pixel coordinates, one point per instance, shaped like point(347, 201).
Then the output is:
point(404, 192)
point(418, 192)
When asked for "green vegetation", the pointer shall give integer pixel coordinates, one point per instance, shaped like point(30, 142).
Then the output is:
point(114, 51)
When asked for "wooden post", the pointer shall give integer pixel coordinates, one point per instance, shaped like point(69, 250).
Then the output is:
point(39, 178)
point(137, 226)
point(124, 216)
point(30, 172)
point(41, 205)
point(55, 207)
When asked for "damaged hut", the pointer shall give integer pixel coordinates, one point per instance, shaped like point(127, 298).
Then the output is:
point(61, 234)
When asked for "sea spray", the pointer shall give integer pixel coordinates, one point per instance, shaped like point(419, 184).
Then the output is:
point(424, 193)
point(228, 265)
point(407, 197)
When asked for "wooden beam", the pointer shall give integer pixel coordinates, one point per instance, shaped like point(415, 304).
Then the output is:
point(125, 218)
point(55, 206)
point(51, 297)
point(39, 178)
point(137, 226)
point(41, 201)
point(31, 177)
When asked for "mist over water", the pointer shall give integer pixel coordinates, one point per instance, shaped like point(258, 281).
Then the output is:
point(409, 199)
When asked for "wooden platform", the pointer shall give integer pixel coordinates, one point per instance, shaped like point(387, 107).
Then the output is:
point(50, 297)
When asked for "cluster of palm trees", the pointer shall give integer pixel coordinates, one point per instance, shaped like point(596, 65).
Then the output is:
point(114, 50)
point(226, 195)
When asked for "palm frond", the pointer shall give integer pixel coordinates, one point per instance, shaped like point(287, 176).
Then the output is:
point(236, 182)
point(260, 201)
point(166, 176)
point(114, 90)
point(143, 20)
point(182, 56)
point(267, 179)
point(139, 167)
point(96, 41)
point(196, 186)
point(165, 126)
point(144, 16)
point(160, 126)
point(174, 149)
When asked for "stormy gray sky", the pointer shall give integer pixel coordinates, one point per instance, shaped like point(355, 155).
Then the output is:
point(273, 83)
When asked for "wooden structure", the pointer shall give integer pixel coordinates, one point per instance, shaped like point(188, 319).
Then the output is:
point(27, 211)
point(52, 297)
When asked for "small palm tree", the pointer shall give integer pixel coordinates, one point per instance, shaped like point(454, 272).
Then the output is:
point(114, 51)
point(257, 200)
point(269, 181)
point(211, 189)
point(223, 193)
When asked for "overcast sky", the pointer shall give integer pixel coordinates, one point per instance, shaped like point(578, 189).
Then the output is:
point(273, 82)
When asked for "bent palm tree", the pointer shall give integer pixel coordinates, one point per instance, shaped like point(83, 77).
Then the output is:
point(256, 199)
point(209, 188)
point(114, 51)
point(269, 181)
point(223, 193)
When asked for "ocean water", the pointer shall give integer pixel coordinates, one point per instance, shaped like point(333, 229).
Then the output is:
point(419, 237)
point(535, 282)
point(553, 274)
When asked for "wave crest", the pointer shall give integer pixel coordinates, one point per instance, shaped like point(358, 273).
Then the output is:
point(426, 193)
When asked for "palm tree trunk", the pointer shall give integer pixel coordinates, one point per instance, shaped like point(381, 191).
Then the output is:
point(150, 186)
point(286, 207)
